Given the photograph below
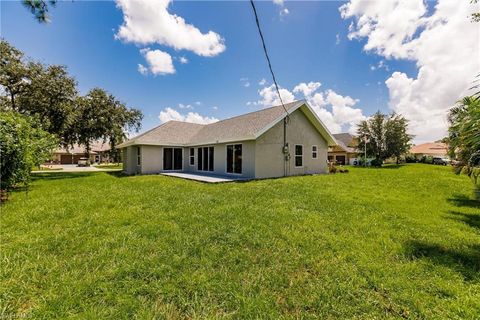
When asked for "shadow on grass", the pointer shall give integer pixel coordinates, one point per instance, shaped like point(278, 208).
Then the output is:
point(466, 261)
point(472, 219)
point(462, 200)
point(61, 175)
point(385, 166)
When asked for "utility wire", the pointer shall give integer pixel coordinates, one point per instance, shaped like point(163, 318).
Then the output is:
point(266, 54)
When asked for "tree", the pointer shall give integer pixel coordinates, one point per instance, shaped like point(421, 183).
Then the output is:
point(102, 117)
point(386, 136)
point(39, 8)
point(50, 96)
point(23, 144)
point(464, 135)
point(13, 73)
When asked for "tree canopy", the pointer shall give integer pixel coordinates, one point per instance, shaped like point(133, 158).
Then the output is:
point(49, 94)
point(385, 135)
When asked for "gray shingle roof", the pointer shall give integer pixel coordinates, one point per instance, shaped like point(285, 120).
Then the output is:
point(346, 141)
point(243, 127)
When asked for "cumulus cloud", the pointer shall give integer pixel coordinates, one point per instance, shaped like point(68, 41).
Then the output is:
point(149, 22)
point(262, 82)
point(269, 96)
point(159, 62)
point(142, 69)
point(443, 45)
point(183, 60)
point(337, 39)
point(336, 111)
point(169, 114)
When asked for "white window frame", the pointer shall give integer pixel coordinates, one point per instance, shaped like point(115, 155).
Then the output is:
point(233, 164)
point(190, 157)
point(315, 152)
point(139, 156)
point(295, 155)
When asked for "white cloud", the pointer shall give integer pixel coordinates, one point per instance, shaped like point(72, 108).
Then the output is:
point(336, 111)
point(185, 106)
point(270, 97)
point(283, 10)
point(442, 44)
point(337, 39)
point(198, 103)
point(183, 60)
point(245, 82)
point(307, 88)
point(149, 22)
point(262, 82)
point(159, 62)
point(215, 108)
point(169, 114)
point(142, 69)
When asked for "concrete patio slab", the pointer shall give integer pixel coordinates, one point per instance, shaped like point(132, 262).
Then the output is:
point(203, 177)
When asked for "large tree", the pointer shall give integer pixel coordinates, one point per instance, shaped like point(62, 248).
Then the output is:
point(49, 94)
point(385, 136)
point(100, 116)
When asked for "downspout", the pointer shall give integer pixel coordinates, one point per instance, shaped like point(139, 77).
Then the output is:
point(286, 153)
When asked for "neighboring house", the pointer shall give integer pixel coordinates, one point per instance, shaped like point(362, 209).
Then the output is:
point(247, 146)
point(98, 154)
point(432, 149)
point(345, 152)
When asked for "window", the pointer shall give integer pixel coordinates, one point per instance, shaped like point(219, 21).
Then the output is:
point(139, 156)
point(205, 158)
point(234, 158)
point(172, 158)
point(192, 156)
point(298, 155)
point(314, 152)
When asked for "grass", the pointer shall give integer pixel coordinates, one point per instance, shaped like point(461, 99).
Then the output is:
point(112, 166)
point(398, 242)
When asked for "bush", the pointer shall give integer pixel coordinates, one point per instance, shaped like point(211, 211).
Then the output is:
point(23, 145)
point(410, 158)
point(376, 163)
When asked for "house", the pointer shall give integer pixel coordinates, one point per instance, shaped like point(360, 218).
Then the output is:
point(345, 152)
point(246, 146)
point(430, 149)
point(98, 154)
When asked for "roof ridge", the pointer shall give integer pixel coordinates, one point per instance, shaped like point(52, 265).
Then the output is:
point(249, 113)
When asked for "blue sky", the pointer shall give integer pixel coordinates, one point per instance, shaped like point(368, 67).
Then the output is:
point(309, 44)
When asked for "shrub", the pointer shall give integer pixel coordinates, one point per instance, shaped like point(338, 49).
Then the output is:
point(376, 163)
point(23, 145)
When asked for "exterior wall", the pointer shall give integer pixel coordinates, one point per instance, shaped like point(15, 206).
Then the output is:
point(152, 159)
point(349, 157)
point(220, 159)
point(269, 158)
point(129, 158)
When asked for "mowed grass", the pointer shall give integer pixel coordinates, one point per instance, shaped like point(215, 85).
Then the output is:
point(396, 242)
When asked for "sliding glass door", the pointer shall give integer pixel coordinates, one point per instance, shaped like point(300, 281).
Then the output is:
point(234, 158)
point(205, 158)
point(172, 158)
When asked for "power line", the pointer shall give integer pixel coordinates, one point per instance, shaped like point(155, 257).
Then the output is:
point(266, 54)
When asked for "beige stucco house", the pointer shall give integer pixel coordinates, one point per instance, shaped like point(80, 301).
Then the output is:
point(345, 152)
point(246, 146)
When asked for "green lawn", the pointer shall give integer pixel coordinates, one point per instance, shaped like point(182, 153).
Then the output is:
point(374, 243)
